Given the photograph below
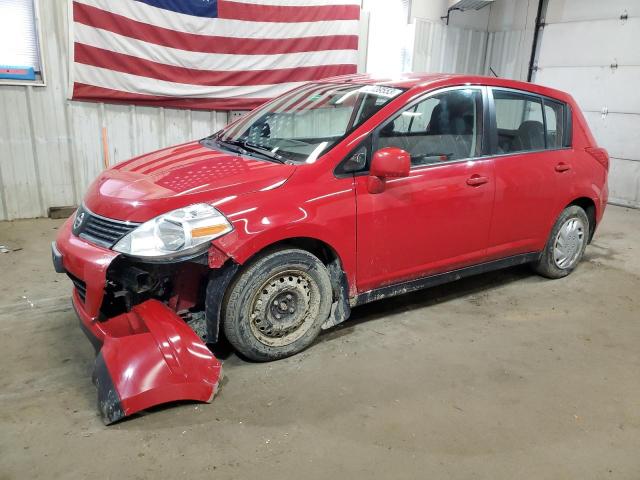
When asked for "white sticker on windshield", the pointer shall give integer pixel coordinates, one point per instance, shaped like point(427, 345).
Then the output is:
point(380, 90)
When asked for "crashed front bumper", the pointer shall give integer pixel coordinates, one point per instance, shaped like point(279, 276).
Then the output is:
point(145, 357)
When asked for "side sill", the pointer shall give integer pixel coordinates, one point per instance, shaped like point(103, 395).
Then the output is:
point(440, 278)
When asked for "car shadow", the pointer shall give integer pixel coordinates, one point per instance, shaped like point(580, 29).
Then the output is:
point(428, 297)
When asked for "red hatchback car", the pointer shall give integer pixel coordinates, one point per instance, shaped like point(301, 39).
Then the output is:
point(336, 194)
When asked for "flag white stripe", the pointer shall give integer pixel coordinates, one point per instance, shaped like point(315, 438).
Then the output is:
point(299, 3)
point(114, 42)
point(223, 27)
point(125, 82)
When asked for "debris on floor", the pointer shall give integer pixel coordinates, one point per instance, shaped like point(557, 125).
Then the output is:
point(6, 249)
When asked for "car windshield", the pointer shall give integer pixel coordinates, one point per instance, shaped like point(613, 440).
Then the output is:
point(302, 125)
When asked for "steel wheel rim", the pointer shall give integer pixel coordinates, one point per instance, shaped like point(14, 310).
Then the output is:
point(568, 243)
point(284, 308)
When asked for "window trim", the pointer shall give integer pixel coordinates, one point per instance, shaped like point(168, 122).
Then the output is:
point(38, 82)
point(569, 126)
point(567, 143)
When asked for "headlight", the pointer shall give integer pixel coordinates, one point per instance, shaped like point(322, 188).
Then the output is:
point(178, 231)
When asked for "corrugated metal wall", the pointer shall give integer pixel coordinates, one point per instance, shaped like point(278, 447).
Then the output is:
point(441, 48)
point(511, 30)
point(591, 48)
point(507, 54)
point(51, 148)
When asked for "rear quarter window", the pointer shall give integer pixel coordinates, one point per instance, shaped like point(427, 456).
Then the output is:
point(554, 114)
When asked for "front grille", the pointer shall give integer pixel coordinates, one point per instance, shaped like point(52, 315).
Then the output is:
point(81, 286)
point(100, 230)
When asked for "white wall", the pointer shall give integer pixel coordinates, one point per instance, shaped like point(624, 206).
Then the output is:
point(496, 38)
point(439, 48)
point(390, 38)
point(581, 41)
point(421, 42)
point(511, 29)
point(433, 10)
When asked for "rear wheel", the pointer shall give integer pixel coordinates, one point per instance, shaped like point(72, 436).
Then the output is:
point(566, 244)
point(277, 305)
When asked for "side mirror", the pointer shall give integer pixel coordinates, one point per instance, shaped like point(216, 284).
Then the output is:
point(390, 162)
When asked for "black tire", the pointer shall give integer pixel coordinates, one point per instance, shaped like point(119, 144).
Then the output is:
point(277, 304)
point(548, 265)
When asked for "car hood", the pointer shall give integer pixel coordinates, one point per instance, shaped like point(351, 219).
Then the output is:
point(146, 186)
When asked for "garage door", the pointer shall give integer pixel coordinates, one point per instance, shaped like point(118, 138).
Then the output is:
point(591, 48)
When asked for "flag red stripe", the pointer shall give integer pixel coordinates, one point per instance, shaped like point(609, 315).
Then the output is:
point(95, 17)
point(92, 93)
point(286, 14)
point(120, 62)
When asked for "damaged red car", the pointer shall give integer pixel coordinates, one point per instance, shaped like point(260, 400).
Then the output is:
point(336, 194)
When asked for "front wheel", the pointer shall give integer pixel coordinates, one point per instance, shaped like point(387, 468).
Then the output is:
point(277, 305)
point(566, 244)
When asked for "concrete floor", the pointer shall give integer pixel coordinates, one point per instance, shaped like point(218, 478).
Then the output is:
point(505, 375)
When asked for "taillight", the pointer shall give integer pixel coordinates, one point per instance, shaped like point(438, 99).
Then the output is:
point(600, 154)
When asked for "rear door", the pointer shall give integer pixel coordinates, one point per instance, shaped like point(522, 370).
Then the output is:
point(533, 166)
point(436, 219)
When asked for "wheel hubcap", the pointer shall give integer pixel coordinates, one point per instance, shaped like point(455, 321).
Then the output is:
point(284, 308)
point(569, 242)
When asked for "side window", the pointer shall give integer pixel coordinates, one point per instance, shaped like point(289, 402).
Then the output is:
point(519, 121)
point(443, 127)
point(554, 113)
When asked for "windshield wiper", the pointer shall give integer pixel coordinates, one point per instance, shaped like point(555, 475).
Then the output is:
point(264, 151)
point(243, 148)
point(233, 145)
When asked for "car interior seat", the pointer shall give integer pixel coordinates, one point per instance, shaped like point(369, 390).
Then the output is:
point(530, 136)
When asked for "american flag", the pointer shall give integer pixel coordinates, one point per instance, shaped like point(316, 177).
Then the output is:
point(209, 54)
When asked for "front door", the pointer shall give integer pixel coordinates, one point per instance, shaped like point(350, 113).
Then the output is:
point(437, 219)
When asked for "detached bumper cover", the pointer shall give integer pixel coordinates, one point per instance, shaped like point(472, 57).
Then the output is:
point(147, 356)
point(158, 360)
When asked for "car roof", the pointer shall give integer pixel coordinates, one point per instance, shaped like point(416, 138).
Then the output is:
point(423, 81)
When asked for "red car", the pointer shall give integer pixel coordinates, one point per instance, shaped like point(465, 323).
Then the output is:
point(336, 194)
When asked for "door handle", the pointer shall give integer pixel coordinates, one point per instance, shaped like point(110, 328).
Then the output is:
point(562, 167)
point(476, 180)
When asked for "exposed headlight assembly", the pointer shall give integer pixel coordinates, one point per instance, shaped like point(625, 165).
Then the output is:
point(179, 231)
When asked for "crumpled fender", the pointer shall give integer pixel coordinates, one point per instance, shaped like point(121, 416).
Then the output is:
point(154, 358)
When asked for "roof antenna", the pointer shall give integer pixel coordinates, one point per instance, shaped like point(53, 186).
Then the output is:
point(492, 71)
